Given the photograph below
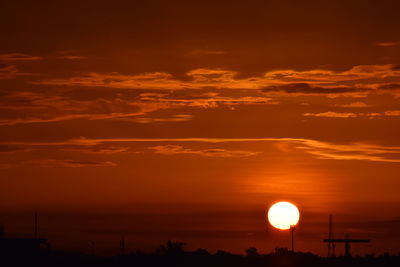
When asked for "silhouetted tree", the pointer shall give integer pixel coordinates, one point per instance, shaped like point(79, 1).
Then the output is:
point(171, 248)
point(252, 252)
point(202, 251)
point(222, 253)
point(281, 251)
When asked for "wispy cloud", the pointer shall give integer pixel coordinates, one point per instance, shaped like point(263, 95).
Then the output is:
point(69, 117)
point(13, 57)
point(315, 81)
point(43, 108)
point(71, 57)
point(18, 57)
point(71, 163)
point(320, 149)
point(4, 148)
point(174, 118)
point(174, 93)
point(212, 152)
point(52, 163)
point(387, 44)
point(8, 71)
point(101, 149)
point(353, 105)
point(116, 116)
point(332, 114)
point(207, 101)
point(354, 151)
point(392, 113)
point(207, 52)
point(5, 166)
point(305, 88)
point(155, 80)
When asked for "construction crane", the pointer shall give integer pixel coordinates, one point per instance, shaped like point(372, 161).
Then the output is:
point(347, 240)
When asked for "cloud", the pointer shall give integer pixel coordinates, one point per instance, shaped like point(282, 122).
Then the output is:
point(320, 149)
point(29, 107)
point(213, 152)
point(174, 118)
point(71, 163)
point(155, 81)
point(387, 44)
point(389, 86)
point(331, 114)
point(356, 74)
point(207, 52)
point(121, 104)
point(12, 57)
point(8, 71)
point(11, 148)
point(353, 105)
point(69, 117)
point(5, 166)
point(392, 113)
point(211, 100)
point(354, 151)
point(305, 88)
point(43, 120)
point(316, 81)
point(44, 108)
point(18, 57)
point(51, 163)
point(109, 150)
point(71, 57)
point(91, 149)
point(71, 54)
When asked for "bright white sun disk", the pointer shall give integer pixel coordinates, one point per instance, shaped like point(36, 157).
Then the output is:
point(283, 215)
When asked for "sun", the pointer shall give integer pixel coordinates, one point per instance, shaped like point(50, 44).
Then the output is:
point(283, 215)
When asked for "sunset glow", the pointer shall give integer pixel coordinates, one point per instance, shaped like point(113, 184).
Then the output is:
point(179, 120)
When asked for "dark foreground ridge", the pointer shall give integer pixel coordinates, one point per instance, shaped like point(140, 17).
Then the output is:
point(173, 254)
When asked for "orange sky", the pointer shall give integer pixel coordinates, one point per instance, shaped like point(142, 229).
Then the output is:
point(189, 118)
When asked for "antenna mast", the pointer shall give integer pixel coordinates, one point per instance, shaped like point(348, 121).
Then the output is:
point(292, 229)
point(122, 245)
point(36, 225)
point(331, 245)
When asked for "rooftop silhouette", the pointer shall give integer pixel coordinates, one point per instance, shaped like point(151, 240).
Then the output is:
point(173, 253)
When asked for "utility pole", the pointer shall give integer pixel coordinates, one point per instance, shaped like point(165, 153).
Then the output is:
point(331, 245)
point(122, 246)
point(292, 230)
point(93, 247)
point(36, 225)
